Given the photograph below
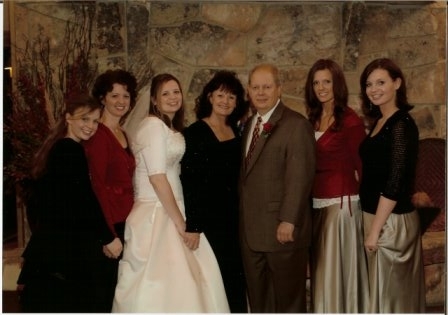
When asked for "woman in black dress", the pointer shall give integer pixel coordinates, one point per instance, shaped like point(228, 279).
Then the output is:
point(61, 258)
point(209, 175)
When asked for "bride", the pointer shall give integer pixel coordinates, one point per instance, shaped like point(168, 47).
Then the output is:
point(162, 270)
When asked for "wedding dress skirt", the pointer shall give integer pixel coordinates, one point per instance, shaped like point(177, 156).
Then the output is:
point(158, 273)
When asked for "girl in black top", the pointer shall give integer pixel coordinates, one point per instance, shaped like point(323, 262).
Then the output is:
point(61, 258)
point(391, 224)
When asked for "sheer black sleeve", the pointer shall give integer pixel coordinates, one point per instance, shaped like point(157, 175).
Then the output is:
point(404, 145)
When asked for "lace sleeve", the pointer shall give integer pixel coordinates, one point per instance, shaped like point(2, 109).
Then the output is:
point(151, 145)
point(404, 142)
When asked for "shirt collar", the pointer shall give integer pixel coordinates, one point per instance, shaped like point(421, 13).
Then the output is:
point(265, 117)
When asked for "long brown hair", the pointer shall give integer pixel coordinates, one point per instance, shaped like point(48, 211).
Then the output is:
point(60, 130)
point(340, 91)
point(157, 82)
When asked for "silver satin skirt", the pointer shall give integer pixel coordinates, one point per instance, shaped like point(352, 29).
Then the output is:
point(396, 272)
point(338, 264)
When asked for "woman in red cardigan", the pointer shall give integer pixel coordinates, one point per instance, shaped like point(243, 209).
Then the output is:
point(112, 166)
point(338, 265)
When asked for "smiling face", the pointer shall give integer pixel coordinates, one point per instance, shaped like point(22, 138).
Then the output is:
point(323, 86)
point(223, 102)
point(381, 89)
point(118, 101)
point(82, 124)
point(263, 90)
point(169, 98)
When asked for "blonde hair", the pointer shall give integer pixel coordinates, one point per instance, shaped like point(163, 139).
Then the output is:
point(267, 67)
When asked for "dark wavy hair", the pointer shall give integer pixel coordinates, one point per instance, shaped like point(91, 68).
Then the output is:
point(373, 112)
point(228, 82)
point(60, 130)
point(104, 83)
point(156, 85)
point(340, 91)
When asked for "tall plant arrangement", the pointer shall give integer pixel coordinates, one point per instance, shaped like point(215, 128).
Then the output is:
point(38, 98)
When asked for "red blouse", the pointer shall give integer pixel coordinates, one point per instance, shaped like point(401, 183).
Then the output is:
point(338, 158)
point(111, 171)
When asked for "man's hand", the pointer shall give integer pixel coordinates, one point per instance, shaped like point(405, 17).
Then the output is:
point(284, 232)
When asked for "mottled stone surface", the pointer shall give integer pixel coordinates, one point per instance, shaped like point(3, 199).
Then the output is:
point(353, 20)
point(110, 27)
point(240, 17)
point(426, 84)
point(148, 37)
point(414, 51)
point(294, 81)
point(295, 35)
point(424, 119)
point(118, 62)
point(167, 12)
point(214, 45)
point(199, 80)
point(411, 22)
point(373, 36)
point(137, 28)
point(293, 103)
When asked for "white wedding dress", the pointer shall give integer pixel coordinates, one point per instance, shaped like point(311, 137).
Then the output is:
point(158, 273)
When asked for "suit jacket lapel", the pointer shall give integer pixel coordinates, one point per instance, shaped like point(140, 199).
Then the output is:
point(245, 137)
point(275, 117)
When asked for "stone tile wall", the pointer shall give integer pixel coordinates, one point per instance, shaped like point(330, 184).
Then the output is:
point(192, 39)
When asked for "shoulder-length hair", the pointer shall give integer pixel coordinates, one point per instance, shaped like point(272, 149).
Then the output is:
point(60, 130)
point(340, 91)
point(394, 72)
point(104, 83)
point(156, 85)
point(226, 81)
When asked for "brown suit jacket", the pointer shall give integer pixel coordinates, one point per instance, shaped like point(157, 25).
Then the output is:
point(277, 182)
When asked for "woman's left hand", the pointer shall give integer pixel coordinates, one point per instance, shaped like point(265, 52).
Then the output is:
point(371, 242)
point(192, 240)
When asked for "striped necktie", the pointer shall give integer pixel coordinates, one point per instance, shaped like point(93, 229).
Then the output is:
point(255, 136)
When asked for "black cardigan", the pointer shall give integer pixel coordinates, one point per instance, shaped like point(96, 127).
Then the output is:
point(389, 161)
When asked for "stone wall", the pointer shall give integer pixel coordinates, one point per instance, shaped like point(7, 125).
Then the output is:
point(192, 39)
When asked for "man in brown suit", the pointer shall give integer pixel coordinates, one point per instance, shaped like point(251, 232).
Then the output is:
point(276, 178)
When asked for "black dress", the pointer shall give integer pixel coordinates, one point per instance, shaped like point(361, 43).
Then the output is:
point(63, 254)
point(209, 174)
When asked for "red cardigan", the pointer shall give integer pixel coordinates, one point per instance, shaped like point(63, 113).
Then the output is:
point(338, 158)
point(111, 171)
